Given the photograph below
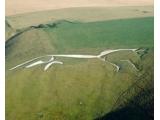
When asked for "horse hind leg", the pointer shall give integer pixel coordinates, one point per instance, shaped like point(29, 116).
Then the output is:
point(114, 65)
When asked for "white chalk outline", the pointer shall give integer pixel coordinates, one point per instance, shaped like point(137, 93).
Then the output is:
point(101, 56)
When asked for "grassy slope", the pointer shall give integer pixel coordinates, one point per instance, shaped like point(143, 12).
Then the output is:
point(86, 38)
point(9, 31)
point(89, 14)
point(83, 90)
point(79, 89)
point(128, 33)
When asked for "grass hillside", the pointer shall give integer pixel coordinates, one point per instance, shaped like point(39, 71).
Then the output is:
point(85, 14)
point(80, 89)
point(86, 38)
point(9, 31)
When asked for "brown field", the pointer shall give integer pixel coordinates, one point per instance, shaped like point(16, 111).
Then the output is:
point(21, 6)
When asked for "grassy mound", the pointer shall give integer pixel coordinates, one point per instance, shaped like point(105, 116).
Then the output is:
point(80, 89)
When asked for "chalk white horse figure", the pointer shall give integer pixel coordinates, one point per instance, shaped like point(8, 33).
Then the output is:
point(51, 61)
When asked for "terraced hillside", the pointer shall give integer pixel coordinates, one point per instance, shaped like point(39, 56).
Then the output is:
point(80, 89)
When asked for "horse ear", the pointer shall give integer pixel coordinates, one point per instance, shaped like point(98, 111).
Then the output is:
point(139, 49)
point(142, 51)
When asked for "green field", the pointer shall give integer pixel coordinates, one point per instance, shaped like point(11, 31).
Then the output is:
point(80, 89)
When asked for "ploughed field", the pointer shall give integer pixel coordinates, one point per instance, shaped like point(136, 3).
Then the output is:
point(80, 89)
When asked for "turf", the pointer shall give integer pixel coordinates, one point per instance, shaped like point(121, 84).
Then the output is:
point(9, 31)
point(80, 38)
point(78, 89)
point(108, 34)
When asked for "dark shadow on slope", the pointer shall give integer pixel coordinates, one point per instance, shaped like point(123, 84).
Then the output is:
point(53, 24)
point(138, 107)
point(45, 25)
point(11, 39)
point(134, 110)
point(7, 24)
point(126, 113)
